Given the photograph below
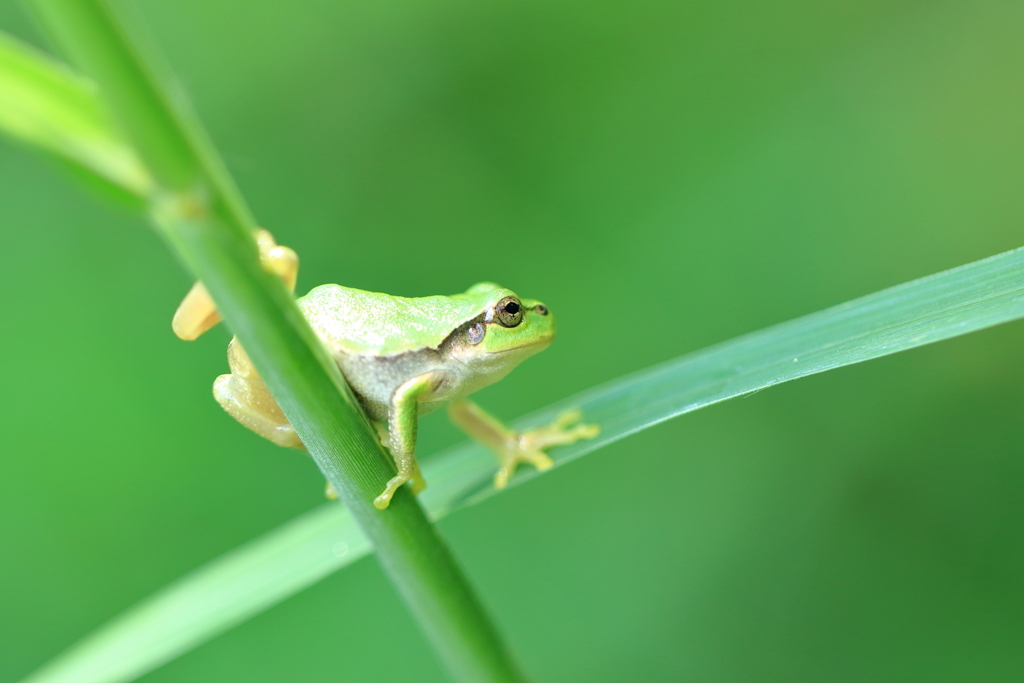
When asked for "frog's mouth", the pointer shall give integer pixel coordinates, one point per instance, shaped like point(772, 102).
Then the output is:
point(521, 347)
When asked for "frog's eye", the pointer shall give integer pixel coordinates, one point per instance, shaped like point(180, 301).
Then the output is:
point(475, 333)
point(541, 308)
point(509, 312)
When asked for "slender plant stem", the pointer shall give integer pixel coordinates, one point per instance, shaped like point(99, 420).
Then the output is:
point(205, 220)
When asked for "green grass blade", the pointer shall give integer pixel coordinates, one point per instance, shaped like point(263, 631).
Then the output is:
point(44, 104)
point(286, 560)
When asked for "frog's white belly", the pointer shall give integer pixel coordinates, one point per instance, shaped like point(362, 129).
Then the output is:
point(374, 379)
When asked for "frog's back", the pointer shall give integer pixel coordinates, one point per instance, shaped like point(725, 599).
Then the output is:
point(354, 321)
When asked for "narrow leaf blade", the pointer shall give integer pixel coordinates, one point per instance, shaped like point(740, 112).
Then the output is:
point(44, 104)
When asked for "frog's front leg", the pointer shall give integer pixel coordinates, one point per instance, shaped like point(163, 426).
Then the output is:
point(513, 447)
point(403, 418)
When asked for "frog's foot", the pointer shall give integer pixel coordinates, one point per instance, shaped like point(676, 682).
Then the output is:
point(198, 313)
point(384, 499)
point(246, 398)
point(413, 474)
point(529, 446)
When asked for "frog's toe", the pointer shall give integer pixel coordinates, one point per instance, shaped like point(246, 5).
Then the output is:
point(418, 482)
point(561, 432)
point(507, 469)
point(542, 461)
point(502, 476)
point(382, 501)
point(584, 432)
point(567, 418)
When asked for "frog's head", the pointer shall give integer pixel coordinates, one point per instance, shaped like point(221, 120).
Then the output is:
point(508, 331)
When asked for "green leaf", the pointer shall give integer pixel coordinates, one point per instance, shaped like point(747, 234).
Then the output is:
point(45, 104)
point(260, 573)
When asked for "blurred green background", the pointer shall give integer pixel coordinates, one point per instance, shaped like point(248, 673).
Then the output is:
point(665, 175)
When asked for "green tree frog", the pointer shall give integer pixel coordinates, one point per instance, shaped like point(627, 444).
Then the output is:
point(403, 357)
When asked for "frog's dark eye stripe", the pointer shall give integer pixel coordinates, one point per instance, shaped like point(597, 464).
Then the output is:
point(509, 312)
point(541, 308)
point(475, 333)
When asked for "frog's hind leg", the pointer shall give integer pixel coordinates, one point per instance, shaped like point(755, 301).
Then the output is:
point(246, 398)
point(197, 313)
